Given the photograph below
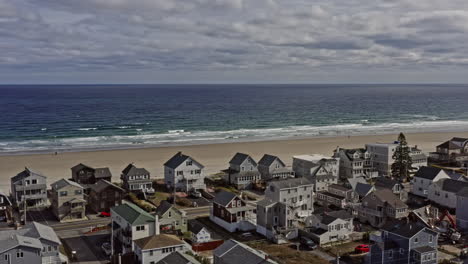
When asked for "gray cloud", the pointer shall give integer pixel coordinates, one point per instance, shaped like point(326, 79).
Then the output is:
point(239, 37)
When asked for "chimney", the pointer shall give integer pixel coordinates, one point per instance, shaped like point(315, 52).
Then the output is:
point(156, 225)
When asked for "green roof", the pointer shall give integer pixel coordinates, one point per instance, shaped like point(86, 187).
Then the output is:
point(133, 214)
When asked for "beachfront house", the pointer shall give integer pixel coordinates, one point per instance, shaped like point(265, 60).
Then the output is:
point(453, 151)
point(337, 195)
point(403, 242)
point(444, 192)
point(85, 175)
point(380, 206)
point(104, 195)
point(32, 243)
point(171, 218)
point(242, 172)
point(355, 163)
point(382, 156)
point(425, 177)
point(6, 212)
point(185, 173)
point(129, 223)
point(232, 251)
point(29, 188)
point(286, 203)
point(136, 179)
point(273, 168)
point(152, 249)
point(330, 226)
point(320, 170)
point(67, 200)
point(232, 213)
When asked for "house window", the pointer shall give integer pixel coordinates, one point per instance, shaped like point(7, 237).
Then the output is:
point(170, 214)
point(7, 256)
point(140, 228)
point(416, 240)
point(34, 181)
point(189, 163)
point(151, 253)
point(63, 193)
point(19, 254)
point(77, 192)
point(430, 238)
point(390, 254)
point(239, 203)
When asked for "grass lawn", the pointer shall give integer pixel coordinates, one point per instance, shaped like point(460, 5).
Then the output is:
point(342, 248)
point(286, 254)
point(158, 197)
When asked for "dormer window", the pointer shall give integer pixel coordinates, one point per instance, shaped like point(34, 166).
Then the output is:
point(189, 163)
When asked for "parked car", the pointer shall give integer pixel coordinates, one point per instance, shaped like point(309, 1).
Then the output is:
point(363, 248)
point(196, 194)
point(246, 235)
point(106, 248)
point(308, 243)
point(104, 214)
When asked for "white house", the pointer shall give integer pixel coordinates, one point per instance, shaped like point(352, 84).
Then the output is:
point(462, 213)
point(331, 226)
point(185, 172)
point(444, 192)
point(425, 177)
point(149, 250)
point(200, 234)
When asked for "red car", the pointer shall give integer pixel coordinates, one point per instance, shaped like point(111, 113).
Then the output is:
point(104, 214)
point(362, 248)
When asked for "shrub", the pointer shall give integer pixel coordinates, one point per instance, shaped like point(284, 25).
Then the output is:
point(183, 202)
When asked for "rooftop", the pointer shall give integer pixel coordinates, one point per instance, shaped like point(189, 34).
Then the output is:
point(158, 241)
point(133, 214)
point(313, 157)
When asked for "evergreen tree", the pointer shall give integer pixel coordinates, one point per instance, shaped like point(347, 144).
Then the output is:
point(403, 162)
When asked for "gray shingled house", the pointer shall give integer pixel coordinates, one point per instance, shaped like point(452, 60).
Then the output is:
point(273, 168)
point(233, 252)
point(84, 174)
point(404, 242)
point(104, 195)
point(67, 200)
point(137, 179)
point(380, 206)
point(242, 172)
point(31, 187)
point(33, 243)
point(185, 173)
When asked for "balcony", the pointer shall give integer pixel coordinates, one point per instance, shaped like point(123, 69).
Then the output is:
point(29, 187)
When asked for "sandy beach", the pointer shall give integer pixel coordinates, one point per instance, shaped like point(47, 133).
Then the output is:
point(214, 156)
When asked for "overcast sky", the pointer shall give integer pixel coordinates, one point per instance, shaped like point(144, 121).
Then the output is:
point(233, 41)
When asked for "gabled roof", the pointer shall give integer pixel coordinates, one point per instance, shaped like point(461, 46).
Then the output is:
point(132, 170)
point(196, 227)
point(239, 158)
point(103, 184)
point(233, 252)
point(350, 153)
point(385, 182)
point(158, 241)
point(64, 182)
point(362, 189)
point(178, 258)
point(405, 229)
point(427, 172)
point(102, 173)
point(353, 181)
point(26, 173)
point(163, 207)
point(81, 166)
point(178, 159)
point(29, 235)
point(449, 145)
point(223, 198)
point(388, 197)
point(133, 214)
point(452, 186)
point(290, 183)
point(267, 160)
point(459, 139)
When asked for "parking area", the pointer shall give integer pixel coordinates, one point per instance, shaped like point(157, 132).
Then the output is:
point(41, 215)
point(88, 248)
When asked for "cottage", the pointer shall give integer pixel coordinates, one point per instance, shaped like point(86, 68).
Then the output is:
point(444, 192)
point(234, 252)
point(200, 234)
point(380, 206)
point(404, 242)
point(355, 163)
point(330, 226)
point(319, 170)
point(137, 179)
point(104, 195)
point(129, 223)
point(29, 187)
point(232, 213)
point(242, 172)
point(84, 174)
point(425, 177)
point(171, 218)
point(273, 168)
point(67, 200)
point(185, 173)
point(151, 249)
point(33, 243)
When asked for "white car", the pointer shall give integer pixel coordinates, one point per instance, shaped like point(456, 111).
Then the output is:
point(106, 247)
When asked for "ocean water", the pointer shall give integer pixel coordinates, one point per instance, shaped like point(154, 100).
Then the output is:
point(43, 118)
